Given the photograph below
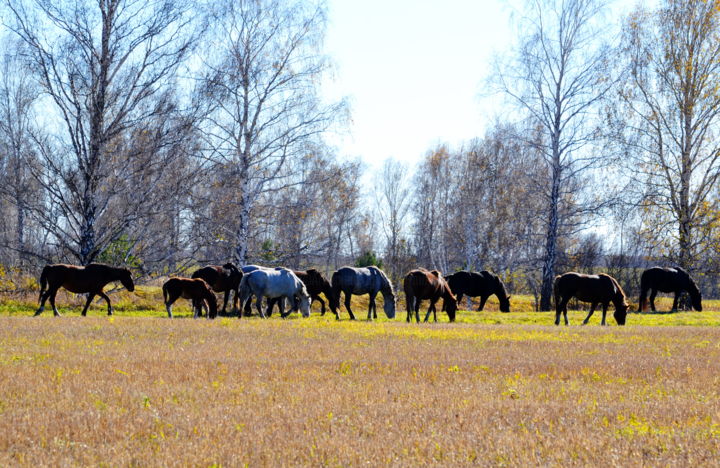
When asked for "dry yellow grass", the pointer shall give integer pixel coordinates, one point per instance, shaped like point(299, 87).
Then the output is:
point(150, 391)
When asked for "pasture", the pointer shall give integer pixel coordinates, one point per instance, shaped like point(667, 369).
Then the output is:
point(494, 389)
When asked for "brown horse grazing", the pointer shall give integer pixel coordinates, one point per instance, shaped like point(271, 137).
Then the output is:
point(315, 283)
point(423, 284)
point(674, 280)
point(195, 289)
point(225, 279)
point(89, 279)
point(595, 289)
point(483, 284)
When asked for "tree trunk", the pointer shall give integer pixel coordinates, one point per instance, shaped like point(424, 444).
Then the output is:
point(548, 271)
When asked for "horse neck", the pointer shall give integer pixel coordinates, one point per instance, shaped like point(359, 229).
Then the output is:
point(500, 289)
point(619, 298)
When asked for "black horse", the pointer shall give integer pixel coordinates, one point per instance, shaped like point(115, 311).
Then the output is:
point(668, 280)
point(483, 284)
point(595, 289)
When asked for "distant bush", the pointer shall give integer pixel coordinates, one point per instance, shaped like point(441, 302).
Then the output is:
point(367, 259)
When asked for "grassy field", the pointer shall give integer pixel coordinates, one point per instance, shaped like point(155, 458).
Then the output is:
point(495, 389)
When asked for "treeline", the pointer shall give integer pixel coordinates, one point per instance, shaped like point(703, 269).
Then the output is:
point(162, 135)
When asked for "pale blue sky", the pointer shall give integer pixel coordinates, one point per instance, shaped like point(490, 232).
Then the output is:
point(413, 71)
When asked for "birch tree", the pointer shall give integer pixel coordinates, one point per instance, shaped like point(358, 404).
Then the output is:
point(558, 77)
point(104, 68)
point(264, 105)
point(669, 123)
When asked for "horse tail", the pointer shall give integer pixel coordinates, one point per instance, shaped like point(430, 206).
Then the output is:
point(556, 290)
point(43, 281)
point(244, 289)
point(335, 290)
point(644, 287)
point(165, 292)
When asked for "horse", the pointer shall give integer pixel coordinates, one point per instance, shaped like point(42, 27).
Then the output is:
point(370, 280)
point(90, 279)
point(675, 280)
point(595, 289)
point(195, 289)
point(225, 278)
point(279, 282)
point(245, 269)
point(483, 284)
point(423, 284)
point(316, 284)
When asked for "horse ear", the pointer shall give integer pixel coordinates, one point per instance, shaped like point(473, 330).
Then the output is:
point(508, 298)
point(436, 273)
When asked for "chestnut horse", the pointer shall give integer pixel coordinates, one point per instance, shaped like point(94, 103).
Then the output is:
point(90, 279)
point(423, 284)
point(195, 289)
point(483, 284)
point(225, 279)
point(674, 280)
point(595, 289)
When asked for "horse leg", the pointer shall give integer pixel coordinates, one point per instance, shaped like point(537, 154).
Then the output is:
point(52, 303)
point(107, 299)
point(427, 315)
point(592, 310)
point(653, 293)
point(409, 307)
point(87, 304)
point(642, 299)
point(347, 305)
point(558, 311)
point(371, 307)
point(604, 307)
point(44, 298)
point(258, 305)
point(675, 301)
point(417, 309)
point(483, 299)
point(322, 305)
point(225, 301)
point(196, 308)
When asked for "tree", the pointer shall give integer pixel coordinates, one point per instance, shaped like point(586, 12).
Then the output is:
point(392, 197)
point(559, 76)
point(262, 92)
point(104, 68)
point(669, 123)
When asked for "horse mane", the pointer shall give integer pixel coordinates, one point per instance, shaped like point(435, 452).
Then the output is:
point(620, 292)
point(436, 273)
point(387, 283)
point(500, 286)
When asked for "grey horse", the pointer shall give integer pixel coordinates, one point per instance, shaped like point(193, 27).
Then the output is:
point(370, 280)
point(279, 282)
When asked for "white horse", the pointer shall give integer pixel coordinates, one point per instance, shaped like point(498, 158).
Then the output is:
point(277, 283)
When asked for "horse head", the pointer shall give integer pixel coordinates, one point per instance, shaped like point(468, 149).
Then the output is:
point(389, 303)
point(621, 313)
point(450, 304)
point(126, 279)
point(304, 305)
point(695, 296)
point(505, 304)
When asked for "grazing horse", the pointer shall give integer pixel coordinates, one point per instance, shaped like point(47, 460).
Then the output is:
point(245, 269)
point(316, 284)
point(90, 279)
point(675, 280)
point(483, 284)
point(276, 283)
point(195, 289)
point(224, 278)
point(422, 284)
point(370, 280)
point(595, 289)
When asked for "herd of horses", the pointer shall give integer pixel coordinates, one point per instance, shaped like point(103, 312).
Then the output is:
point(301, 288)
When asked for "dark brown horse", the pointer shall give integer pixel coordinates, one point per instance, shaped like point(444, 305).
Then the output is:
point(595, 289)
point(222, 279)
point(483, 284)
point(195, 289)
point(674, 280)
point(422, 284)
point(89, 279)
point(316, 284)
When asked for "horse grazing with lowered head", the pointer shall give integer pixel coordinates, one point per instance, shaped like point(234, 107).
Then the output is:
point(195, 289)
point(359, 281)
point(222, 279)
point(316, 284)
point(595, 289)
point(674, 280)
point(483, 284)
point(90, 280)
point(423, 284)
point(276, 283)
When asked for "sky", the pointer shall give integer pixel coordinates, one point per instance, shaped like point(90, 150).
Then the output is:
point(413, 72)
